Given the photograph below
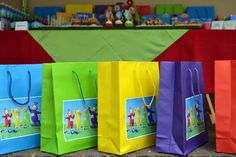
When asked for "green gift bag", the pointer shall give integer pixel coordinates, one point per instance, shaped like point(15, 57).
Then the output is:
point(169, 9)
point(69, 107)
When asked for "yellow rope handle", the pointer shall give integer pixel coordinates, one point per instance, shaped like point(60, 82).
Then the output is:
point(141, 90)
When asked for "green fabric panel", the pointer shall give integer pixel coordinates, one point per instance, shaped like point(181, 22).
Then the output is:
point(106, 45)
point(169, 9)
point(68, 90)
point(48, 141)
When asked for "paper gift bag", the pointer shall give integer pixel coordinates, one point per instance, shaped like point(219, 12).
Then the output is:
point(20, 107)
point(169, 9)
point(201, 13)
point(69, 107)
point(127, 106)
point(225, 106)
point(181, 122)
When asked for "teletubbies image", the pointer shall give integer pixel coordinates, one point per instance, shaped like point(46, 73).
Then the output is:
point(70, 117)
point(16, 117)
point(80, 119)
point(140, 118)
point(194, 116)
point(7, 118)
point(20, 120)
point(34, 114)
point(93, 115)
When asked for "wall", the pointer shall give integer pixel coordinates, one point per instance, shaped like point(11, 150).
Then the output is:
point(223, 7)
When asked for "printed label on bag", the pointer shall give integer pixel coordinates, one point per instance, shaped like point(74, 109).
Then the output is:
point(19, 121)
point(194, 116)
point(79, 119)
point(140, 119)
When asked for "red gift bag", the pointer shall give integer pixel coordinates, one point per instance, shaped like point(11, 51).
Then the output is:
point(225, 106)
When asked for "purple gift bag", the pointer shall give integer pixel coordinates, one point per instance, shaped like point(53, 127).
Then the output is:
point(181, 122)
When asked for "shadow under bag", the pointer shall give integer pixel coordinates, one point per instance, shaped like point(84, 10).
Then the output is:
point(181, 120)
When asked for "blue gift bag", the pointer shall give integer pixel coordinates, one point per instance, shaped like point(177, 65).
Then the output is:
point(20, 107)
point(201, 14)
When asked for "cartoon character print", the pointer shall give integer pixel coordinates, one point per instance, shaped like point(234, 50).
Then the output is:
point(131, 117)
point(198, 113)
point(70, 118)
point(137, 115)
point(144, 120)
point(34, 114)
point(26, 117)
point(7, 116)
point(16, 117)
point(86, 122)
point(93, 114)
point(150, 113)
point(78, 118)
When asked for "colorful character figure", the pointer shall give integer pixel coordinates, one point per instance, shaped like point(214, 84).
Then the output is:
point(189, 118)
point(198, 113)
point(150, 115)
point(7, 116)
point(34, 114)
point(26, 117)
point(128, 19)
point(70, 118)
point(86, 122)
point(109, 17)
point(118, 15)
point(144, 116)
point(78, 118)
point(131, 117)
point(16, 117)
point(137, 114)
point(93, 114)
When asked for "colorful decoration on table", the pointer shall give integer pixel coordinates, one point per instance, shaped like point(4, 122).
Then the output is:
point(109, 17)
point(152, 20)
point(133, 11)
point(201, 14)
point(128, 19)
point(85, 19)
point(181, 19)
point(118, 15)
point(36, 24)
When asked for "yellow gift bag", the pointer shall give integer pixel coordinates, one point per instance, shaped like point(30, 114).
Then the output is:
point(127, 102)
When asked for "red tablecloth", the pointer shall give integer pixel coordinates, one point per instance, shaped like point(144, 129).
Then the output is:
point(203, 45)
point(196, 45)
point(18, 47)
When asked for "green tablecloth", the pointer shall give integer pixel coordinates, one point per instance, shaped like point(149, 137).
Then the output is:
point(105, 45)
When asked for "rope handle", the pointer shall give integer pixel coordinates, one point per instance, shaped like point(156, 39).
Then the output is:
point(191, 80)
point(10, 89)
point(80, 86)
point(141, 90)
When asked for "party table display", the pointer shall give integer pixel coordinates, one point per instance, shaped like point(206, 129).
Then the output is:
point(9, 14)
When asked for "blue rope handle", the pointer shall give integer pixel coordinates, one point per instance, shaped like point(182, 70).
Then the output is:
point(80, 87)
point(10, 89)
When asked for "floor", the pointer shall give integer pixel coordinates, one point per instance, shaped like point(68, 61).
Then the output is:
point(206, 150)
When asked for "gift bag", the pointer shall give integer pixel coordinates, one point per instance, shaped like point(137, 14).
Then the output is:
point(181, 123)
point(127, 99)
point(69, 107)
point(169, 9)
point(225, 108)
point(201, 14)
point(20, 107)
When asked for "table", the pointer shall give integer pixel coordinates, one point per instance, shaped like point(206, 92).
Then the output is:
point(43, 46)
